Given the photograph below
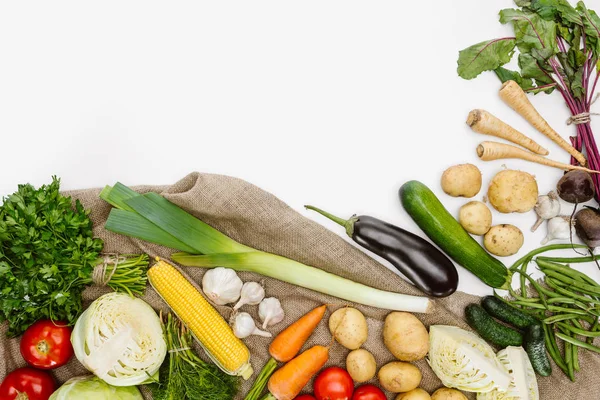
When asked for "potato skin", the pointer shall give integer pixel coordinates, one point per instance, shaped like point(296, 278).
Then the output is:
point(463, 180)
point(405, 336)
point(415, 394)
point(398, 377)
point(349, 327)
point(503, 240)
point(513, 191)
point(361, 365)
point(448, 394)
point(475, 217)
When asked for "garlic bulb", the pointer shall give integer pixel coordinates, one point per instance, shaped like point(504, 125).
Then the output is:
point(243, 326)
point(559, 228)
point(270, 312)
point(548, 206)
point(222, 285)
point(252, 293)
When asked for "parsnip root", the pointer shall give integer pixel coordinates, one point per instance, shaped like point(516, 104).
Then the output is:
point(489, 151)
point(517, 99)
point(482, 121)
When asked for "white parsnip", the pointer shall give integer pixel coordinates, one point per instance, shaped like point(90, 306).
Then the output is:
point(517, 99)
point(482, 121)
point(490, 151)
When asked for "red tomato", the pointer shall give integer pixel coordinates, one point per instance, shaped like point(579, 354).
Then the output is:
point(36, 384)
point(47, 344)
point(305, 397)
point(333, 383)
point(368, 392)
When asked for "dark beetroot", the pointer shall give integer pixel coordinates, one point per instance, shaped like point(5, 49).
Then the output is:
point(576, 187)
point(587, 226)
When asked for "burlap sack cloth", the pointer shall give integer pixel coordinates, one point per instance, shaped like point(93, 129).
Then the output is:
point(258, 219)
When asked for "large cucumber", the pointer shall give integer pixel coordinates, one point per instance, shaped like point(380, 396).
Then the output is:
point(507, 313)
point(492, 331)
point(441, 227)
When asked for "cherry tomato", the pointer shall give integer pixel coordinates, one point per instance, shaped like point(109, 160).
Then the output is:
point(305, 397)
point(47, 344)
point(368, 392)
point(333, 383)
point(36, 384)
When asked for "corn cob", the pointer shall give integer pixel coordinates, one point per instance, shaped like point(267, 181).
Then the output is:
point(206, 324)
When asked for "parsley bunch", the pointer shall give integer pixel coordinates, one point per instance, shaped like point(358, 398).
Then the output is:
point(47, 257)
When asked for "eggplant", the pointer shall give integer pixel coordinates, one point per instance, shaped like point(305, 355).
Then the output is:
point(417, 259)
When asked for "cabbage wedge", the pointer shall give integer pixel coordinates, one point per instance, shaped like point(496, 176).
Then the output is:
point(523, 385)
point(120, 339)
point(464, 361)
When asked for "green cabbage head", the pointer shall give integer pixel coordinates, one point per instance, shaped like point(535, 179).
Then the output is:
point(94, 388)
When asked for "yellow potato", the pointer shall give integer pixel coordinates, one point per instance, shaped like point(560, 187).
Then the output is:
point(513, 191)
point(361, 365)
point(462, 180)
point(405, 336)
point(415, 394)
point(448, 394)
point(349, 327)
point(475, 217)
point(503, 240)
point(398, 377)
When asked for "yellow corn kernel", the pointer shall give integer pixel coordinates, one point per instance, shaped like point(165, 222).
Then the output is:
point(207, 325)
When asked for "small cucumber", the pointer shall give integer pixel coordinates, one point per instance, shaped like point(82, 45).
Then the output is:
point(443, 229)
point(491, 330)
point(507, 313)
point(535, 346)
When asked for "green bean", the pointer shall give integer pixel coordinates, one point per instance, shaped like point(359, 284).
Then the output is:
point(559, 317)
point(577, 342)
point(560, 246)
point(578, 331)
point(516, 296)
point(580, 287)
point(566, 292)
point(552, 348)
point(570, 260)
point(535, 285)
point(569, 360)
point(593, 330)
point(557, 309)
point(567, 271)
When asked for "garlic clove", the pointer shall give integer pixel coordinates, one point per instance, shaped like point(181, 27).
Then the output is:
point(222, 285)
point(559, 228)
point(547, 207)
point(270, 312)
point(252, 293)
point(244, 326)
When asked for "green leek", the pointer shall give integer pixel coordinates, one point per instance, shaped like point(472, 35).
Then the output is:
point(152, 218)
point(298, 274)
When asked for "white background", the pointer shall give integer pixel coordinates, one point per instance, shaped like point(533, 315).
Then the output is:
point(334, 103)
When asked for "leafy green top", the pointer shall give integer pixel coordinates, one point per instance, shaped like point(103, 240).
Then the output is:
point(47, 254)
point(557, 44)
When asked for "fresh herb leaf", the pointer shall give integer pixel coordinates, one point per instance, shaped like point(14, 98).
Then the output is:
point(530, 68)
point(507, 75)
point(485, 56)
point(47, 255)
point(556, 10)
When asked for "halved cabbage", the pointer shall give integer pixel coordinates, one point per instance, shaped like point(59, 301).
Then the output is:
point(523, 385)
point(464, 361)
point(120, 339)
point(93, 388)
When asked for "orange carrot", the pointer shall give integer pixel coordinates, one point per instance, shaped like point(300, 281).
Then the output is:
point(289, 342)
point(288, 381)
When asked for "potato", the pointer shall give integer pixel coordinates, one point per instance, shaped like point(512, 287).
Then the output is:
point(349, 327)
point(397, 377)
point(513, 191)
point(361, 365)
point(415, 394)
point(503, 240)
point(448, 394)
point(475, 217)
point(405, 336)
point(462, 180)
